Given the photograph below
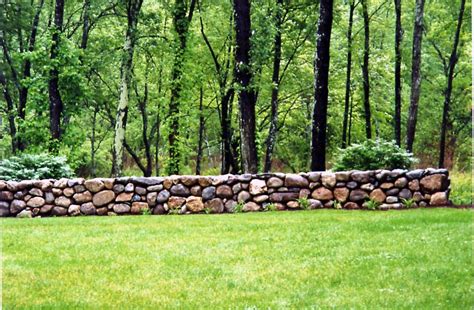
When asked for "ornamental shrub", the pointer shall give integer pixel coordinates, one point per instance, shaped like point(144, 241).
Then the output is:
point(34, 167)
point(372, 155)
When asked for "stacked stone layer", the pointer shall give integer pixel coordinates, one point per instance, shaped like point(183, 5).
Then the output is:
point(220, 194)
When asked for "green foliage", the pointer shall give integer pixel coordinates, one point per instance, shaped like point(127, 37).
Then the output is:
point(34, 167)
point(371, 204)
point(373, 154)
point(461, 188)
point(337, 205)
point(146, 211)
point(303, 203)
point(239, 207)
point(408, 203)
point(270, 207)
point(207, 210)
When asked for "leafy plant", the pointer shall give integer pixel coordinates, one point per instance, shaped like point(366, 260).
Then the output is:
point(34, 167)
point(145, 211)
point(271, 207)
point(207, 210)
point(174, 211)
point(408, 203)
point(337, 205)
point(373, 154)
point(239, 207)
point(371, 204)
point(303, 203)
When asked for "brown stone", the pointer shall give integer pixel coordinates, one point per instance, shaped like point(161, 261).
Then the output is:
point(204, 181)
point(341, 194)
point(304, 193)
point(88, 209)
point(322, 193)
point(401, 182)
point(46, 209)
point(102, 198)
point(237, 188)
point(151, 198)
point(74, 210)
point(283, 197)
point(417, 196)
point(6, 196)
point(243, 196)
point(378, 195)
point(57, 191)
point(167, 183)
point(194, 204)
point(68, 192)
point(260, 198)
point(108, 184)
point(62, 201)
point(439, 199)
point(61, 183)
point(342, 176)
point(139, 207)
point(16, 206)
point(315, 204)
point(82, 197)
point(274, 182)
point(351, 205)
point(293, 204)
point(79, 188)
point(196, 190)
point(36, 192)
point(251, 207)
point(35, 202)
point(257, 187)
point(214, 205)
point(295, 180)
point(386, 185)
point(94, 185)
point(102, 211)
point(224, 191)
point(124, 197)
point(121, 208)
point(59, 211)
point(328, 179)
point(357, 195)
point(361, 176)
point(175, 202)
point(433, 183)
point(414, 185)
point(189, 180)
point(229, 206)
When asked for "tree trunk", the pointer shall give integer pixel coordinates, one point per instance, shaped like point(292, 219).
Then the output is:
point(244, 79)
point(415, 74)
point(10, 112)
point(348, 74)
point(133, 10)
point(181, 25)
point(85, 24)
point(272, 133)
point(398, 62)
point(447, 98)
point(200, 134)
point(55, 101)
point(321, 72)
point(365, 71)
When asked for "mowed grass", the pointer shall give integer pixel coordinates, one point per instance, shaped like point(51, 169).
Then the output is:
point(325, 258)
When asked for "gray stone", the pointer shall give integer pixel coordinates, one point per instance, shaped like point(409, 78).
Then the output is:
point(159, 209)
point(4, 208)
point(208, 193)
point(155, 188)
point(393, 192)
point(401, 182)
point(121, 208)
point(118, 188)
point(351, 185)
point(58, 211)
point(180, 190)
point(88, 209)
point(315, 204)
point(46, 209)
point(16, 206)
point(229, 206)
point(304, 193)
point(163, 196)
point(367, 187)
point(260, 198)
point(151, 198)
point(257, 187)
point(415, 174)
point(136, 198)
point(274, 182)
point(82, 197)
point(251, 207)
point(294, 180)
point(283, 197)
point(49, 197)
point(405, 193)
point(361, 176)
point(36, 202)
point(224, 191)
point(103, 197)
point(129, 187)
point(94, 185)
point(243, 196)
point(36, 192)
point(357, 195)
point(6, 196)
point(147, 181)
point(74, 210)
point(79, 188)
point(314, 176)
point(391, 199)
point(328, 179)
point(140, 190)
point(25, 214)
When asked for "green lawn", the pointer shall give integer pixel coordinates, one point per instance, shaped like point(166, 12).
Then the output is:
point(325, 258)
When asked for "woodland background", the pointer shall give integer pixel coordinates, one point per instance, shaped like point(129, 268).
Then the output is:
point(183, 91)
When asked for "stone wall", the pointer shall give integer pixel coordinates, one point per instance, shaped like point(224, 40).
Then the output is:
point(226, 193)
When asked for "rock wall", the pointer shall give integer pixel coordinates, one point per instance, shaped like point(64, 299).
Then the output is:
point(226, 193)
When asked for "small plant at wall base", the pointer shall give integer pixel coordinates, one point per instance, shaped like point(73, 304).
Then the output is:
point(34, 167)
point(239, 207)
point(270, 207)
point(337, 205)
point(145, 211)
point(303, 203)
point(371, 204)
point(372, 155)
point(408, 203)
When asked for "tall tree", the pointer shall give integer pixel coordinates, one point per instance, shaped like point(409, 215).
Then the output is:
point(352, 6)
point(415, 74)
point(133, 10)
point(365, 71)
point(55, 101)
point(321, 78)
point(181, 21)
point(398, 78)
point(271, 139)
point(243, 77)
point(449, 87)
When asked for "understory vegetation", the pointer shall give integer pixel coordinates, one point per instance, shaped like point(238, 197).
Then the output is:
point(324, 258)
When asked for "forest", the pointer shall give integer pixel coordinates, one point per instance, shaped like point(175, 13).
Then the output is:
point(142, 87)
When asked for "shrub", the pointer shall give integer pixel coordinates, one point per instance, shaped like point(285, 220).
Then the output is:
point(34, 167)
point(372, 155)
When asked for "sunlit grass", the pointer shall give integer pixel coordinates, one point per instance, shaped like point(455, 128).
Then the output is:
point(326, 258)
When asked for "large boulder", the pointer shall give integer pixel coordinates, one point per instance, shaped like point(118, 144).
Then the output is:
point(439, 199)
point(322, 193)
point(274, 182)
point(36, 202)
point(194, 204)
point(434, 183)
point(341, 194)
point(224, 191)
point(214, 205)
point(88, 209)
point(257, 187)
point(357, 195)
point(103, 197)
point(295, 180)
point(328, 179)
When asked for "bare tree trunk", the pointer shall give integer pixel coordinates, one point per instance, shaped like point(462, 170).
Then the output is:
point(85, 24)
point(94, 125)
point(181, 26)
point(365, 71)
point(133, 10)
point(447, 99)
point(272, 133)
point(348, 73)
point(244, 79)
point(55, 101)
point(10, 112)
point(321, 77)
point(200, 134)
point(398, 62)
point(415, 74)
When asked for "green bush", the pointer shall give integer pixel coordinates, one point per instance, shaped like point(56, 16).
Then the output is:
point(34, 167)
point(372, 155)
